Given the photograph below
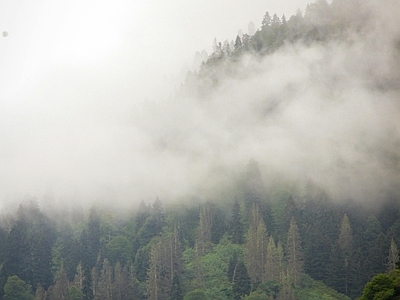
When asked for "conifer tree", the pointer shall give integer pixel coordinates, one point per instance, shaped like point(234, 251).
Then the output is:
point(255, 247)
point(286, 292)
point(274, 260)
point(87, 287)
point(204, 230)
point(393, 256)
point(294, 253)
point(104, 285)
point(345, 245)
point(237, 228)
point(60, 288)
point(40, 293)
point(241, 281)
point(78, 279)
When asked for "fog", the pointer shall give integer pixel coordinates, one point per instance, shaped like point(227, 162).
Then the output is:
point(88, 112)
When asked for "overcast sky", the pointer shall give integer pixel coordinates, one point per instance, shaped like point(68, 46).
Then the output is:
point(73, 72)
point(138, 39)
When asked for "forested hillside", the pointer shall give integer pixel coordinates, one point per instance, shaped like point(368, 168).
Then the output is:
point(269, 243)
point(258, 235)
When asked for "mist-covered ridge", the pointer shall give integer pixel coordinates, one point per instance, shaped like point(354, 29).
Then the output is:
point(313, 97)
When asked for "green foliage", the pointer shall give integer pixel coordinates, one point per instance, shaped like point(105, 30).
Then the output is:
point(236, 226)
point(17, 289)
point(195, 295)
point(316, 290)
point(256, 295)
point(383, 287)
point(241, 281)
point(119, 249)
point(74, 293)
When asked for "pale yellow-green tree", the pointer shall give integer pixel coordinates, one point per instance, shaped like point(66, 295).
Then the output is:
point(256, 247)
point(40, 293)
point(345, 244)
point(393, 257)
point(104, 284)
point(203, 239)
point(60, 289)
point(287, 291)
point(78, 279)
point(274, 260)
point(165, 264)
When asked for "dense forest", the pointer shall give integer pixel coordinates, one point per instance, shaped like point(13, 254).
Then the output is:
point(279, 244)
point(254, 238)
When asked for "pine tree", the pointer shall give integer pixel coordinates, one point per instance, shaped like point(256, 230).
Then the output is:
point(40, 293)
point(241, 281)
point(237, 228)
point(286, 292)
point(78, 279)
point(266, 20)
point(393, 256)
point(204, 230)
point(118, 284)
point(238, 43)
point(164, 266)
point(41, 259)
point(154, 274)
point(372, 249)
point(294, 253)
point(104, 290)
point(17, 289)
point(60, 288)
point(87, 287)
point(255, 247)
point(345, 244)
point(274, 260)
point(17, 258)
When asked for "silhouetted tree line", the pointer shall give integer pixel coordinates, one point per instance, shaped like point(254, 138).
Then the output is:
point(321, 22)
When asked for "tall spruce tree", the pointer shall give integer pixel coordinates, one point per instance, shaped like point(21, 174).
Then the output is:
point(237, 229)
point(294, 253)
point(393, 256)
point(241, 281)
point(255, 247)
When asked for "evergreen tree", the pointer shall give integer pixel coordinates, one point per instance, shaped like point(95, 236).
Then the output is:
point(241, 281)
point(79, 276)
point(255, 247)
point(92, 242)
point(266, 20)
point(294, 253)
point(87, 288)
point(274, 260)
point(345, 243)
point(237, 229)
point(74, 293)
point(104, 290)
point(176, 289)
point(203, 240)
point(286, 292)
point(238, 43)
point(40, 293)
point(17, 289)
point(17, 258)
point(372, 242)
point(393, 256)
point(41, 259)
point(60, 289)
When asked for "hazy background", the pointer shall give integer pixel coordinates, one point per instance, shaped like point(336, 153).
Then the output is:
point(85, 112)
